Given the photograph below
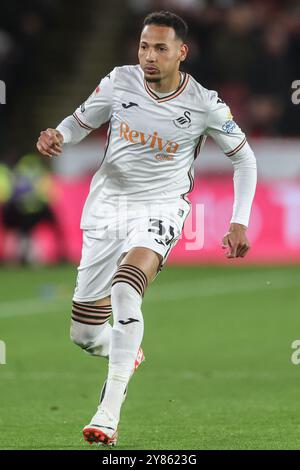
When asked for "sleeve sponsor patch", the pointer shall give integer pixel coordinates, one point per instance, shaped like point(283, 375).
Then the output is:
point(229, 126)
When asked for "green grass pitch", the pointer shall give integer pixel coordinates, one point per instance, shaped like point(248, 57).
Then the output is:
point(218, 371)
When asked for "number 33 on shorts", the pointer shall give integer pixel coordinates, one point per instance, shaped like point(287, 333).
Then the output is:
point(164, 234)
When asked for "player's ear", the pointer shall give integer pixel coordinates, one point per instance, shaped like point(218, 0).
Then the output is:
point(183, 52)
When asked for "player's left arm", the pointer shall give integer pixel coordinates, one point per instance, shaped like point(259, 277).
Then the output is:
point(232, 141)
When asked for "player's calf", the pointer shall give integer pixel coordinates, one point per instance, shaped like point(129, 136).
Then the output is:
point(128, 286)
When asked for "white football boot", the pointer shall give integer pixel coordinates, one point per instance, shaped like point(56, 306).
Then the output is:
point(103, 428)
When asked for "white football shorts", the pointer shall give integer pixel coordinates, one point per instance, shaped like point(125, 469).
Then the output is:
point(103, 248)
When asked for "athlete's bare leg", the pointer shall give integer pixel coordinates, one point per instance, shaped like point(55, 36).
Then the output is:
point(102, 302)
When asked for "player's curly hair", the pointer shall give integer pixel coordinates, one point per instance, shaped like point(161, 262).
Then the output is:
point(166, 18)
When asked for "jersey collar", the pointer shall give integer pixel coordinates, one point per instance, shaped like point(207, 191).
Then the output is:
point(172, 95)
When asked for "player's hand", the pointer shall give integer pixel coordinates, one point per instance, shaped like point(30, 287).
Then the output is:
point(236, 241)
point(50, 142)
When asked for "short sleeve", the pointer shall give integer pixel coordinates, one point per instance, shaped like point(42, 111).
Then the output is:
point(222, 128)
point(97, 109)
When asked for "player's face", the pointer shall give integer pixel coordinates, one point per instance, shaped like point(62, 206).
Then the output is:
point(160, 52)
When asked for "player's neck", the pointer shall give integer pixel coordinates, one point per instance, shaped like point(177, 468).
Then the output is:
point(166, 85)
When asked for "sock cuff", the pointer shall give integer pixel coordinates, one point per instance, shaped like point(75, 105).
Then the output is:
point(133, 276)
point(90, 314)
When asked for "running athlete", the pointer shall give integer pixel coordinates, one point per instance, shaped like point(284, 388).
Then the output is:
point(159, 118)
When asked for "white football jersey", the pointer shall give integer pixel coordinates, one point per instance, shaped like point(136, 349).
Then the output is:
point(152, 141)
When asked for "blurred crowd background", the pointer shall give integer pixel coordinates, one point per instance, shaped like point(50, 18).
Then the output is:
point(52, 55)
point(248, 51)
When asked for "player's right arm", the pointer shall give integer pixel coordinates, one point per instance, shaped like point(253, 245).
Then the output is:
point(94, 112)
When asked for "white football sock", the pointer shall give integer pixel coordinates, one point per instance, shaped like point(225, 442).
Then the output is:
point(126, 336)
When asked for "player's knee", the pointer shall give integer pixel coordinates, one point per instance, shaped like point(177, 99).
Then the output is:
point(82, 335)
point(87, 323)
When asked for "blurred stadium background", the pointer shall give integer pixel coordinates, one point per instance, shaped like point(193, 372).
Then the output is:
point(233, 360)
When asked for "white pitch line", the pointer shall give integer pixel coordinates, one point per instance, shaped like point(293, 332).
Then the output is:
point(174, 291)
point(32, 306)
point(187, 375)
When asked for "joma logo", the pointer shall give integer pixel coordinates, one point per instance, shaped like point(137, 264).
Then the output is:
point(151, 140)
